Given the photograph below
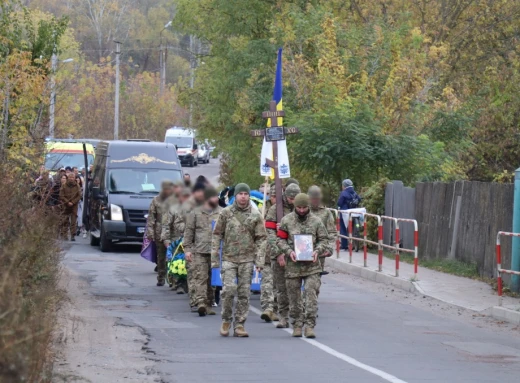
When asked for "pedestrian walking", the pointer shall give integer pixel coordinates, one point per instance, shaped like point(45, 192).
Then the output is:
point(277, 257)
point(326, 217)
point(241, 229)
point(301, 221)
point(348, 199)
point(70, 195)
point(197, 249)
point(154, 227)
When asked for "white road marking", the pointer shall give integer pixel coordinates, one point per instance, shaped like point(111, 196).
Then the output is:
point(343, 357)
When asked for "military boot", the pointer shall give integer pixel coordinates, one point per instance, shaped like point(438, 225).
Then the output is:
point(224, 329)
point(274, 317)
point(240, 332)
point(209, 311)
point(267, 316)
point(202, 311)
point(309, 333)
point(297, 332)
point(283, 323)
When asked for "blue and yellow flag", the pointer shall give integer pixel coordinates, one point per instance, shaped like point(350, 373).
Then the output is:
point(277, 92)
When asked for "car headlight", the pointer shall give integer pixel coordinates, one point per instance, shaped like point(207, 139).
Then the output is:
point(116, 213)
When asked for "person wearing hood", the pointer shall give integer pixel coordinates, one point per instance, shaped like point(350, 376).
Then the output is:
point(278, 259)
point(197, 249)
point(70, 195)
point(154, 227)
point(301, 221)
point(348, 199)
point(242, 232)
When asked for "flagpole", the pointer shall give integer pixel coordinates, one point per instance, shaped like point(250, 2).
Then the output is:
point(266, 183)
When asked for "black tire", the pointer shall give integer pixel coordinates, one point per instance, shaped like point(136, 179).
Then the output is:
point(105, 244)
point(196, 163)
point(192, 163)
point(93, 240)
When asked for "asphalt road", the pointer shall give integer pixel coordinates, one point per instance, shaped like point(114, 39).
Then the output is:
point(366, 333)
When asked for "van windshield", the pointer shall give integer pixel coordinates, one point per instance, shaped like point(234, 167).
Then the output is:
point(136, 181)
point(181, 142)
point(55, 161)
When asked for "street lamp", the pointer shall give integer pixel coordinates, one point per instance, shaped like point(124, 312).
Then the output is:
point(54, 67)
point(162, 59)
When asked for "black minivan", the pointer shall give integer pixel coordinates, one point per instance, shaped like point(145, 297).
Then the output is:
point(125, 178)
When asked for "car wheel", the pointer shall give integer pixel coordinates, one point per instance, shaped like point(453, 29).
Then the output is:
point(93, 240)
point(196, 163)
point(105, 244)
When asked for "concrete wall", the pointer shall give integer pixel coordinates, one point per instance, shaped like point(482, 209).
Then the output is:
point(458, 220)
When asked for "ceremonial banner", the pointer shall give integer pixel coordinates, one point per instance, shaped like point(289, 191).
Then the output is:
point(148, 250)
point(267, 152)
point(284, 169)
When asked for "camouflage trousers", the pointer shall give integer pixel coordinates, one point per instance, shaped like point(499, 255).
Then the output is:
point(201, 280)
point(303, 313)
point(267, 291)
point(161, 261)
point(281, 290)
point(189, 282)
point(231, 273)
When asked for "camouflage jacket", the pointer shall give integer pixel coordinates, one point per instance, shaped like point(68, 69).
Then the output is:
point(70, 193)
point(243, 234)
point(155, 216)
point(291, 225)
point(168, 232)
point(272, 250)
point(198, 230)
point(327, 218)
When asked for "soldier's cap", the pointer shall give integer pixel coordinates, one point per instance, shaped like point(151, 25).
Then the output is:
point(314, 192)
point(166, 184)
point(292, 190)
point(301, 200)
point(210, 192)
point(291, 181)
point(240, 188)
point(198, 186)
point(186, 192)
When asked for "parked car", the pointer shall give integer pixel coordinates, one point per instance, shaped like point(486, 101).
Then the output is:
point(204, 154)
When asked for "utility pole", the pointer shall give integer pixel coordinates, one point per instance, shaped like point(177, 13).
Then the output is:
point(116, 108)
point(192, 79)
point(162, 59)
point(54, 65)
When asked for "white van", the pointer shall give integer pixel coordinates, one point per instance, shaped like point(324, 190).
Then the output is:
point(186, 144)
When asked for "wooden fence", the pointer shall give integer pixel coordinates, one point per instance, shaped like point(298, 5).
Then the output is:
point(457, 220)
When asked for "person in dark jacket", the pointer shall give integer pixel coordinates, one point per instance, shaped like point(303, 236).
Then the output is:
point(348, 199)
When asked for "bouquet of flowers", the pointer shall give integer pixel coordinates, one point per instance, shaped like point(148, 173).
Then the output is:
point(176, 261)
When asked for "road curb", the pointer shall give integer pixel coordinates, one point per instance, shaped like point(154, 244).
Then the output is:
point(505, 314)
point(373, 275)
point(500, 313)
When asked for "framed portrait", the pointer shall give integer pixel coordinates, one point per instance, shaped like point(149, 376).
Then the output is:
point(303, 247)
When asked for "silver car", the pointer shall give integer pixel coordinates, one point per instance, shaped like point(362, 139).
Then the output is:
point(204, 154)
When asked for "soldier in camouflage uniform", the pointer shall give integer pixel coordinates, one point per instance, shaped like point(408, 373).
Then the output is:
point(277, 257)
point(326, 216)
point(171, 233)
point(301, 221)
point(241, 228)
point(154, 227)
point(197, 247)
point(267, 291)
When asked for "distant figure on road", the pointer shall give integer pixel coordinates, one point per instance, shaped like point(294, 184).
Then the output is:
point(241, 228)
point(154, 227)
point(348, 199)
point(70, 195)
point(301, 221)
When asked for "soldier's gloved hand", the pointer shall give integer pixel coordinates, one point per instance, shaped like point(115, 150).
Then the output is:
point(188, 257)
point(259, 269)
point(281, 260)
point(215, 265)
point(293, 256)
point(314, 256)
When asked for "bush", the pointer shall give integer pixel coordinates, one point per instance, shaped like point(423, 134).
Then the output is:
point(374, 202)
point(29, 296)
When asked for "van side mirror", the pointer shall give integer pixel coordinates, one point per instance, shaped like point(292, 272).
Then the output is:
point(96, 193)
point(195, 146)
